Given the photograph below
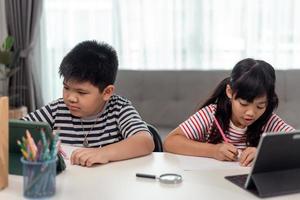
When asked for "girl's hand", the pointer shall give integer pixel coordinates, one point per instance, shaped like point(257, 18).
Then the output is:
point(247, 156)
point(225, 151)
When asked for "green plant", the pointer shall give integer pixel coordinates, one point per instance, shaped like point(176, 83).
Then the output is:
point(8, 43)
point(8, 57)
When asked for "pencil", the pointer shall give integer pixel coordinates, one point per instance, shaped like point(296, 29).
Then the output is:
point(21, 145)
point(31, 144)
point(221, 131)
point(25, 154)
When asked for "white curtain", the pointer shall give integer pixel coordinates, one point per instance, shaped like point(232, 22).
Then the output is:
point(173, 34)
point(3, 24)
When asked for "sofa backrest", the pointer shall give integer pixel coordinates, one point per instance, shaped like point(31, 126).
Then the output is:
point(167, 98)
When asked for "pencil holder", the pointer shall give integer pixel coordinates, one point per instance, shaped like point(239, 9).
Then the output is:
point(39, 178)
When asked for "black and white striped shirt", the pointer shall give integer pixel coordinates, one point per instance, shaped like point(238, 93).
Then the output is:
point(117, 121)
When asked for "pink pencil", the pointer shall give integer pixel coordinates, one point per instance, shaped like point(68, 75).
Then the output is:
point(221, 131)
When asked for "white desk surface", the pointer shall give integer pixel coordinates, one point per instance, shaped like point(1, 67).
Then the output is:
point(117, 180)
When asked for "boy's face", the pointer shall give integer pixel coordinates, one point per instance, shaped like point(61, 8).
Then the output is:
point(84, 99)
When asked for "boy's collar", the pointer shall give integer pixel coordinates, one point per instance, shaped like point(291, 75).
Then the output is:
point(96, 115)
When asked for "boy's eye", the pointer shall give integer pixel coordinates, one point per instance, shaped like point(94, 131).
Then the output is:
point(66, 88)
point(82, 93)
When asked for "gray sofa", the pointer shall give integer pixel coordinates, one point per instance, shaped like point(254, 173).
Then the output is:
point(166, 98)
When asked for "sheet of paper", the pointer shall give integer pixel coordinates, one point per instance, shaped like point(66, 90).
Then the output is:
point(194, 163)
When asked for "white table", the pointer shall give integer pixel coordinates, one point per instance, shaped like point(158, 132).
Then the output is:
point(117, 181)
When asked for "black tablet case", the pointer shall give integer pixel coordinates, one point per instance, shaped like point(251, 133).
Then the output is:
point(276, 169)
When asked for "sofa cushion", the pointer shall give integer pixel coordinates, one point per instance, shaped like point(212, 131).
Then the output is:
point(167, 98)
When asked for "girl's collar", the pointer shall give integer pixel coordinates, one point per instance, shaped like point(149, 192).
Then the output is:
point(231, 124)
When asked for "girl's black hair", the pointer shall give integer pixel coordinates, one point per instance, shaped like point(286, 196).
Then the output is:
point(90, 61)
point(249, 79)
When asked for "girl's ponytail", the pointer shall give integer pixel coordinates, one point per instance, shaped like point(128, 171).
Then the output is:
point(223, 111)
point(218, 95)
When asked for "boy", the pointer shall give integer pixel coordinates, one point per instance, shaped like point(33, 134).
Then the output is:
point(89, 115)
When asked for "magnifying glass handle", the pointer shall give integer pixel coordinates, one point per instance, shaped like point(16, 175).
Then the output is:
point(145, 175)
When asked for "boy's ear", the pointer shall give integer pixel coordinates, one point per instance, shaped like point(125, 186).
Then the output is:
point(108, 91)
point(228, 91)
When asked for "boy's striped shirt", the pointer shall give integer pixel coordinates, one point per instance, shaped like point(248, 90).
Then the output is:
point(198, 126)
point(118, 120)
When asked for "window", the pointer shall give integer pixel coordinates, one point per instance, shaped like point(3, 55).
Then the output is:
point(173, 34)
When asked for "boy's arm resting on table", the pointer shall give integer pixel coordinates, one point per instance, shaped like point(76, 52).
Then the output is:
point(177, 142)
point(139, 144)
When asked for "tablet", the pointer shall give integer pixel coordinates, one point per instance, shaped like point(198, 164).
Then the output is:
point(276, 167)
point(17, 129)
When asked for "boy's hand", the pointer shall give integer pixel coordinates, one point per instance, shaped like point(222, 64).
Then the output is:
point(88, 157)
point(225, 151)
point(247, 156)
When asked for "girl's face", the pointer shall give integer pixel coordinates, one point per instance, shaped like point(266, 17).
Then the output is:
point(245, 113)
point(84, 99)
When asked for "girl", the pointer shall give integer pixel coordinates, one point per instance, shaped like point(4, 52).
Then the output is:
point(233, 118)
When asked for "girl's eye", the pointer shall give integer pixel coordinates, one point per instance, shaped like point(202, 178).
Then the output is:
point(261, 107)
point(243, 103)
point(66, 88)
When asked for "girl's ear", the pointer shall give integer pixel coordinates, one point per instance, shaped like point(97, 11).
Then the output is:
point(228, 91)
point(107, 92)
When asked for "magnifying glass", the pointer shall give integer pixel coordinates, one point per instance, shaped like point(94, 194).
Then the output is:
point(163, 178)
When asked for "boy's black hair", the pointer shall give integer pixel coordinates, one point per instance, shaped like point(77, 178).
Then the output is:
point(249, 79)
point(90, 61)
